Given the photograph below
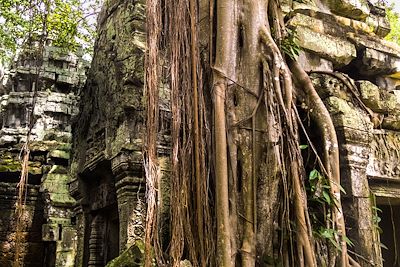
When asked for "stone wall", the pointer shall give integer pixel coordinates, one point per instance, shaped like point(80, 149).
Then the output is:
point(356, 73)
point(107, 165)
point(43, 92)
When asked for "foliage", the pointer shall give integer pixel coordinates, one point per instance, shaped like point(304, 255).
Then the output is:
point(394, 20)
point(376, 219)
point(66, 23)
point(290, 45)
point(319, 194)
point(319, 188)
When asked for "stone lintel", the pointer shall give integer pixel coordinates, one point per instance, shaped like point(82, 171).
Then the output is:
point(92, 164)
point(386, 190)
point(127, 163)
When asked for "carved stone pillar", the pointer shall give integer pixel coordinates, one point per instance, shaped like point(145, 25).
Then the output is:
point(77, 191)
point(130, 186)
point(357, 201)
point(96, 257)
point(354, 130)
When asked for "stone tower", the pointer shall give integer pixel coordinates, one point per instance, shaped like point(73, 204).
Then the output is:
point(44, 93)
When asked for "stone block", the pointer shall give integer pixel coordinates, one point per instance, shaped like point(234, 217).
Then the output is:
point(344, 114)
point(390, 84)
point(60, 154)
point(48, 75)
point(380, 25)
point(312, 62)
point(375, 62)
point(339, 51)
point(328, 85)
point(69, 79)
point(355, 9)
point(49, 232)
point(391, 122)
point(133, 256)
point(62, 199)
point(69, 238)
point(58, 98)
point(378, 100)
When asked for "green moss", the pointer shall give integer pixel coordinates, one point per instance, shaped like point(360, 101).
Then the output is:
point(9, 165)
point(131, 257)
point(64, 146)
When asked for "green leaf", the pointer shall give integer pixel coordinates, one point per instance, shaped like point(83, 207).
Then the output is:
point(303, 146)
point(327, 197)
point(348, 241)
point(342, 189)
point(376, 208)
point(326, 233)
point(314, 174)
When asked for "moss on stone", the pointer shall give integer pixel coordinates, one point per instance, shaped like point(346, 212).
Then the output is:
point(131, 257)
point(59, 154)
point(64, 146)
point(10, 165)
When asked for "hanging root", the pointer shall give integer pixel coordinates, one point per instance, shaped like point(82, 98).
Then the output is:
point(152, 171)
point(21, 201)
point(223, 59)
point(189, 205)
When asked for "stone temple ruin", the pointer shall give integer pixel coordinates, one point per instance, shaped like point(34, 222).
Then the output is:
point(49, 224)
point(85, 209)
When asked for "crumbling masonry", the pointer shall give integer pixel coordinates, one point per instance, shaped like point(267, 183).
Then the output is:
point(85, 201)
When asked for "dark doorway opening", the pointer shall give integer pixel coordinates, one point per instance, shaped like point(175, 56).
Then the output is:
point(390, 236)
point(49, 259)
point(111, 234)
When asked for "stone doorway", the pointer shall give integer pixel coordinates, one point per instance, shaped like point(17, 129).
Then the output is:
point(111, 234)
point(102, 236)
point(390, 236)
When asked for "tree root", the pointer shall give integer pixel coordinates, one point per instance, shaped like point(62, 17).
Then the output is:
point(331, 151)
point(305, 247)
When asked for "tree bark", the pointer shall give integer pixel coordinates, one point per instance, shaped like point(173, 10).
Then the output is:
point(223, 60)
point(331, 151)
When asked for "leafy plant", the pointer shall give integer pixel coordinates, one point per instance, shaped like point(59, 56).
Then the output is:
point(319, 194)
point(319, 187)
point(290, 46)
point(66, 23)
point(394, 20)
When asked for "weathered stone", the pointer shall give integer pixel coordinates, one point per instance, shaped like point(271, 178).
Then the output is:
point(376, 99)
point(131, 257)
point(337, 50)
point(329, 23)
point(375, 62)
point(389, 84)
point(312, 62)
point(52, 204)
point(380, 25)
point(61, 154)
point(347, 115)
point(391, 122)
point(106, 175)
point(357, 9)
point(328, 85)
